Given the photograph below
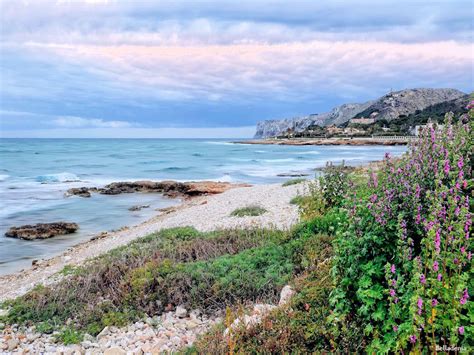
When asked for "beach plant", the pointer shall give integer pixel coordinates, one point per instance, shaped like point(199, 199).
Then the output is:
point(249, 211)
point(334, 184)
point(293, 182)
point(403, 264)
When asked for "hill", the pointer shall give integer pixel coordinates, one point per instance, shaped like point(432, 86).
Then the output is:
point(392, 106)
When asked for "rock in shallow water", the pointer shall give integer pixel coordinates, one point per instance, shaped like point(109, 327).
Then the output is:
point(41, 230)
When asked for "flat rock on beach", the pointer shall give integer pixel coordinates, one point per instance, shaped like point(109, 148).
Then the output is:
point(41, 230)
point(205, 213)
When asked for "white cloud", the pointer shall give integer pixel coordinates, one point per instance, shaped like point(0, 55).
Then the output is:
point(79, 122)
point(287, 71)
point(182, 132)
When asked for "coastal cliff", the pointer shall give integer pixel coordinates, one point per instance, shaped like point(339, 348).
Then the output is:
point(388, 107)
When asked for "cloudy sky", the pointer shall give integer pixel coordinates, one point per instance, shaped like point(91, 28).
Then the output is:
point(102, 68)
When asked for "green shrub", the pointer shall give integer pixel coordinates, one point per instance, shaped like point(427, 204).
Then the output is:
point(69, 336)
point(402, 268)
point(299, 327)
point(293, 182)
point(93, 295)
point(334, 184)
point(297, 200)
point(249, 211)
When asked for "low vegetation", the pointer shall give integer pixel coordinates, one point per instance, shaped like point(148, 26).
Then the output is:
point(293, 182)
point(401, 274)
point(249, 211)
point(381, 263)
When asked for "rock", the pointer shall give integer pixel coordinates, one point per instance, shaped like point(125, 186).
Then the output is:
point(285, 295)
point(89, 338)
point(181, 312)
point(12, 344)
point(103, 333)
point(115, 351)
point(168, 188)
point(79, 191)
point(138, 207)
point(261, 309)
point(41, 230)
point(295, 174)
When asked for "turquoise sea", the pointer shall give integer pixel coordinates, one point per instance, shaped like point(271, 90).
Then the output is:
point(35, 173)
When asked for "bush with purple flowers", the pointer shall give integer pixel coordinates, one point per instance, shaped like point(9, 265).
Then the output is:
point(403, 264)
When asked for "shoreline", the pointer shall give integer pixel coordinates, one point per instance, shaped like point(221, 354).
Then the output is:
point(205, 213)
point(329, 141)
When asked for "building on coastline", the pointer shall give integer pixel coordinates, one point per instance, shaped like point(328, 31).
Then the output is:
point(416, 131)
point(333, 129)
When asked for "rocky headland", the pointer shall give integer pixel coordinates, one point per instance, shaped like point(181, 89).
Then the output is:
point(389, 107)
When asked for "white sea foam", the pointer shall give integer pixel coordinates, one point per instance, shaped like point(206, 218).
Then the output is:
point(55, 178)
point(4, 177)
point(218, 143)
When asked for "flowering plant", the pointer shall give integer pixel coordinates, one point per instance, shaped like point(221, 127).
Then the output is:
point(403, 264)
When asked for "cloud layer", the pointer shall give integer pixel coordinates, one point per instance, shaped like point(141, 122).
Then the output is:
point(120, 64)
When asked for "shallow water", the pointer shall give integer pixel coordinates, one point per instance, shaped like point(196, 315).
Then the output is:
point(35, 173)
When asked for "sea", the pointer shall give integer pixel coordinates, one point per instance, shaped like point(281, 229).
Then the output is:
point(36, 173)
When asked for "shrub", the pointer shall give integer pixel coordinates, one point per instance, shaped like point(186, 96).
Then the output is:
point(249, 211)
point(293, 182)
point(93, 295)
point(334, 184)
point(297, 200)
point(69, 336)
point(299, 327)
point(403, 261)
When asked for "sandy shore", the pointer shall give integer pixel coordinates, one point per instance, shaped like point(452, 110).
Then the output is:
point(205, 213)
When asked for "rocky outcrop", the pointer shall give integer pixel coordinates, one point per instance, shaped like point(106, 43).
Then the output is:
point(41, 230)
point(390, 106)
point(168, 188)
point(272, 128)
point(259, 311)
point(138, 207)
point(407, 102)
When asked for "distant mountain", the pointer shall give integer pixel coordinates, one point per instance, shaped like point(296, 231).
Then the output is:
point(388, 107)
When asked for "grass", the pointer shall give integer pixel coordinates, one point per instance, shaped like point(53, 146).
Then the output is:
point(293, 182)
point(297, 200)
point(249, 211)
point(299, 327)
point(176, 266)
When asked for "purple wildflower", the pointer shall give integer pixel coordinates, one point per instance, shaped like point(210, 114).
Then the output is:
point(392, 268)
point(464, 297)
point(420, 305)
point(423, 279)
point(438, 240)
point(461, 330)
point(434, 302)
point(413, 339)
point(392, 292)
point(446, 167)
point(435, 266)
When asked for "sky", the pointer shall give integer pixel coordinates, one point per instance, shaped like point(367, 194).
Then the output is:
point(98, 68)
